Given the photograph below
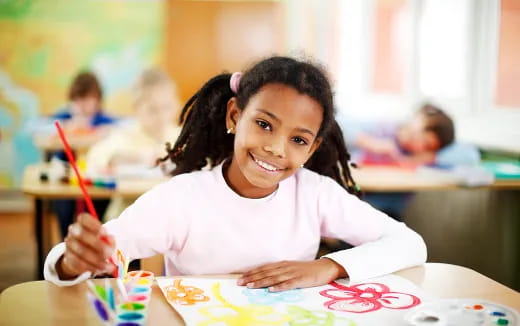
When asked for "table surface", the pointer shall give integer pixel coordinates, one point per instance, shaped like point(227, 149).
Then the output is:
point(371, 179)
point(42, 303)
point(127, 187)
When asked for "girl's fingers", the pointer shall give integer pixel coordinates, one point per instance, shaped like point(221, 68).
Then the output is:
point(89, 239)
point(265, 274)
point(271, 280)
point(260, 272)
point(289, 284)
point(76, 264)
point(85, 253)
point(90, 223)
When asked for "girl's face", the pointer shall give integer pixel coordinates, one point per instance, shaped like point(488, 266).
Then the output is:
point(274, 135)
point(156, 110)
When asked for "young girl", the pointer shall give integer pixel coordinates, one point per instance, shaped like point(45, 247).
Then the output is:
point(279, 181)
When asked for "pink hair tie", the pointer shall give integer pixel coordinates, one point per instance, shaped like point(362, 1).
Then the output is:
point(234, 81)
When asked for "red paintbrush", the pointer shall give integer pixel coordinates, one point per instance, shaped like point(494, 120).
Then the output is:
point(72, 161)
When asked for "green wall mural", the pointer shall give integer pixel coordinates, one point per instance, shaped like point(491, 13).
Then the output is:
point(43, 44)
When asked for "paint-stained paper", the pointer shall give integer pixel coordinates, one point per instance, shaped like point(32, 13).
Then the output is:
point(204, 301)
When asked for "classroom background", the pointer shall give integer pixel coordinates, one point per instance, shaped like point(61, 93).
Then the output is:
point(385, 58)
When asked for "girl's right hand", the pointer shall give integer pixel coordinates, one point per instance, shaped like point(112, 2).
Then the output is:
point(85, 249)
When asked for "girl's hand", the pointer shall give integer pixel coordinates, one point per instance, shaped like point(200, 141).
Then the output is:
point(85, 250)
point(288, 275)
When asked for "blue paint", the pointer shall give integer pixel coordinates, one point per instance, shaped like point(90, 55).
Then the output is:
point(264, 297)
point(497, 313)
point(111, 298)
point(100, 309)
point(131, 316)
point(139, 290)
point(128, 324)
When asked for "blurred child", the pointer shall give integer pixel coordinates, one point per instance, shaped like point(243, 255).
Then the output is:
point(414, 142)
point(139, 143)
point(132, 149)
point(410, 144)
point(84, 122)
point(280, 180)
point(82, 119)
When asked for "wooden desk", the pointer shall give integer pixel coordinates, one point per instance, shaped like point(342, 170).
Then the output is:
point(388, 179)
point(42, 303)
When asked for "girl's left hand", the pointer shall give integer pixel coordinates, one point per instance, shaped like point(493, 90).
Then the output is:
point(288, 275)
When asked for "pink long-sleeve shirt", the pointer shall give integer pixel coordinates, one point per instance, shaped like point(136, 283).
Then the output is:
point(202, 226)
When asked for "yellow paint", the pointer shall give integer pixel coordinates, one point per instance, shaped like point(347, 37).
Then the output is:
point(143, 281)
point(252, 315)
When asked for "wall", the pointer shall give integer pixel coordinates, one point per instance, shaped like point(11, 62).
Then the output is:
point(205, 38)
point(44, 43)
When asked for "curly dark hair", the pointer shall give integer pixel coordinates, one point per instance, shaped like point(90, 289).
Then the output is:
point(203, 139)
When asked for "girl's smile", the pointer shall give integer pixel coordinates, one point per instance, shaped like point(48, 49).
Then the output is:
point(267, 165)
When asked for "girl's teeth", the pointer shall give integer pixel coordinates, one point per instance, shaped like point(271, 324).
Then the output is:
point(265, 165)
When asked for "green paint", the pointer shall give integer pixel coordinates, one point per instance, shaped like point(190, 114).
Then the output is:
point(303, 317)
point(101, 292)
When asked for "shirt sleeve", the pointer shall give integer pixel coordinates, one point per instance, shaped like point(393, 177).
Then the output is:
point(152, 225)
point(382, 245)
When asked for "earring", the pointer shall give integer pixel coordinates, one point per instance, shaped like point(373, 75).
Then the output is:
point(301, 166)
point(230, 130)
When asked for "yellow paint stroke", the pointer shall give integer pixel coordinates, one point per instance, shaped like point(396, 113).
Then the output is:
point(248, 315)
point(184, 295)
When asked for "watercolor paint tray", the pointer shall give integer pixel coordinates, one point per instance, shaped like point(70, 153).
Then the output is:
point(467, 312)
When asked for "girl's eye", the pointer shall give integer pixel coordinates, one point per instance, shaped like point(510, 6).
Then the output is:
point(299, 141)
point(263, 125)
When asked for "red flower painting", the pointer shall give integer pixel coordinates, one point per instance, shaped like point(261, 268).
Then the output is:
point(366, 297)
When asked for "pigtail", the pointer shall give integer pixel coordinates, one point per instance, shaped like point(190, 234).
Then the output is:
point(203, 139)
point(333, 159)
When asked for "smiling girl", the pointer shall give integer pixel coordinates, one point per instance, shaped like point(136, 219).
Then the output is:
point(279, 181)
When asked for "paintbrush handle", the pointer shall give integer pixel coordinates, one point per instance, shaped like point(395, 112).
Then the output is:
point(70, 157)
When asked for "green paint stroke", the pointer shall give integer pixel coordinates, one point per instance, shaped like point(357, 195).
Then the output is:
point(303, 317)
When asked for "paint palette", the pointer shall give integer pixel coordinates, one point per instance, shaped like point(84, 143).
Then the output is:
point(467, 312)
point(129, 305)
point(133, 310)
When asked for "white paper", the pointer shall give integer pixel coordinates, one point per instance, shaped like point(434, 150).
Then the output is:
point(220, 302)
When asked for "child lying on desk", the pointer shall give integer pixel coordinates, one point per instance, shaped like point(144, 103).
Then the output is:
point(414, 142)
point(280, 180)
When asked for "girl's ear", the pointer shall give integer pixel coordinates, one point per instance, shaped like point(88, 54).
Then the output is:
point(232, 114)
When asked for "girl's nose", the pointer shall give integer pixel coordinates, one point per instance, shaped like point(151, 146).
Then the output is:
point(276, 148)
